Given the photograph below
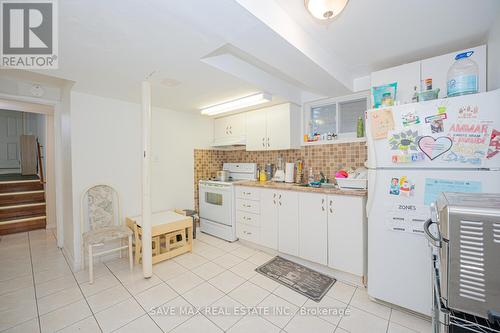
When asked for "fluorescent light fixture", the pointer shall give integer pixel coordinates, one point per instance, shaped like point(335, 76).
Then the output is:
point(237, 104)
point(325, 9)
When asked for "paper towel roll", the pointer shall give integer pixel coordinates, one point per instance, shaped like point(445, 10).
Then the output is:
point(289, 172)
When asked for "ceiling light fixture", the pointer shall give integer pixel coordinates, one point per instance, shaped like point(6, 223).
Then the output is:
point(237, 104)
point(325, 9)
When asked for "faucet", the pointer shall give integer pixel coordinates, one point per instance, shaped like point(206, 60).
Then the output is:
point(323, 179)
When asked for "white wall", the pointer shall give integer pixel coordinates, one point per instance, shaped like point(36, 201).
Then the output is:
point(174, 137)
point(494, 56)
point(106, 148)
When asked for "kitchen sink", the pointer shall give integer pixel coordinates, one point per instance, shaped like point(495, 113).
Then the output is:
point(323, 185)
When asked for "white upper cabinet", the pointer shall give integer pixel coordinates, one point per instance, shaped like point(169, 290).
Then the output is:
point(407, 77)
point(230, 130)
point(274, 128)
point(313, 227)
point(256, 130)
point(437, 68)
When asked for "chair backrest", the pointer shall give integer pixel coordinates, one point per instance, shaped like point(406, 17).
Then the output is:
point(100, 207)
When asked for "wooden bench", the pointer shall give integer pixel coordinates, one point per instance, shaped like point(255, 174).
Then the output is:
point(171, 232)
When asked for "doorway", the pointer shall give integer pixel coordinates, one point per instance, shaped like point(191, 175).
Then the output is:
point(27, 184)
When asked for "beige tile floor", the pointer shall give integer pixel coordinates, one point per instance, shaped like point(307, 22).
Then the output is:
point(40, 293)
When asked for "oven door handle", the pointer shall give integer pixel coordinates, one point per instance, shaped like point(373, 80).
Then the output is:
point(435, 241)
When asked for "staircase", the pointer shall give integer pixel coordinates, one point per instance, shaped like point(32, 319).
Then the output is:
point(22, 206)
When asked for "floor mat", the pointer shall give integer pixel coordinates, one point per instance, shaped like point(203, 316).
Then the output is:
point(303, 280)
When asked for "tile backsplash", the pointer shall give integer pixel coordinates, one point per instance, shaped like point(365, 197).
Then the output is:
point(327, 158)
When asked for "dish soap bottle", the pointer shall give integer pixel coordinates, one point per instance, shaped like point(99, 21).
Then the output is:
point(360, 128)
point(463, 76)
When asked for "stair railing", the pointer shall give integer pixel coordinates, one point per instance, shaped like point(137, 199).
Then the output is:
point(40, 164)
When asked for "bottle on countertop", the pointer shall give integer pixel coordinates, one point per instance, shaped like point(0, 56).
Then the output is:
point(360, 128)
point(310, 178)
point(414, 99)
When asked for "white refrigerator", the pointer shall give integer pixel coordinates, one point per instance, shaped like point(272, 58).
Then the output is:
point(415, 152)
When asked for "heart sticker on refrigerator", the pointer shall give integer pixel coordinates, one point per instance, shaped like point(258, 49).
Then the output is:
point(434, 148)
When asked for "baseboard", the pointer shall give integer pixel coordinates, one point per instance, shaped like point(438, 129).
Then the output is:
point(75, 266)
point(339, 275)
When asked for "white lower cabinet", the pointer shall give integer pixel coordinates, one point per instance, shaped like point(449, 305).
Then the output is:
point(288, 222)
point(269, 218)
point(347, 233)
point(325, 229)
point(313, 227)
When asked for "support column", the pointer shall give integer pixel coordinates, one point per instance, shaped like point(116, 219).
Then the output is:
point(147, 259)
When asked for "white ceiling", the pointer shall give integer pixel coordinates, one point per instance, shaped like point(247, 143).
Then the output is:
point(109, 47)
point(371, 35)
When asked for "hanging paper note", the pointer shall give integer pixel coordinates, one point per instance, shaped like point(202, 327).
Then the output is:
point(407, 218)
point(382, 121)
point(434, 187)
point(470, 142)
point(494, 146)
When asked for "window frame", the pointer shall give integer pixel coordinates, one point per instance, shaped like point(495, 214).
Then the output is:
point(341, 138)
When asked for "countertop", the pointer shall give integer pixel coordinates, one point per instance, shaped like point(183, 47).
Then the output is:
point(298, 188)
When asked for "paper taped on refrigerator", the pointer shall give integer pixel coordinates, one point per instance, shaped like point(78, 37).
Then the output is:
point(460, 132)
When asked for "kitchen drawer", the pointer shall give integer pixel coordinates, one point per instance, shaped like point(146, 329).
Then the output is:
point(247, 232)
point(248, 206)
point(248, 193)
point(248, 218)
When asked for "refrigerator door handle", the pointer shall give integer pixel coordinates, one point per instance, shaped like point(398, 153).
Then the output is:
point(435, 241)
point(372, 182)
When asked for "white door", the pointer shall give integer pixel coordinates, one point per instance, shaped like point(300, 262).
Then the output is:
point(278, 127)
point(288, 222)
point(256, 130)
point(399, 267)
point(346, 233)
point(449, 133)
point(269, 218)
point(11, 128)
point(313, 227)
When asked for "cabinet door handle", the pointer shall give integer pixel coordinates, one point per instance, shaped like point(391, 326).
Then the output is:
point(268, 143)
point(280, 202)
point(330, 204)
point(274, 202)
point(274, 195)
point(279, 196)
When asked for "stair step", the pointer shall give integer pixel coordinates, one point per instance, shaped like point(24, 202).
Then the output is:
point(20, 186)
point(22, 211)
point(21, 225)
point(15, 198)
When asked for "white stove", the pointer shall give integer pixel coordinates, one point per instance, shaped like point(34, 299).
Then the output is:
point(217, 201)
